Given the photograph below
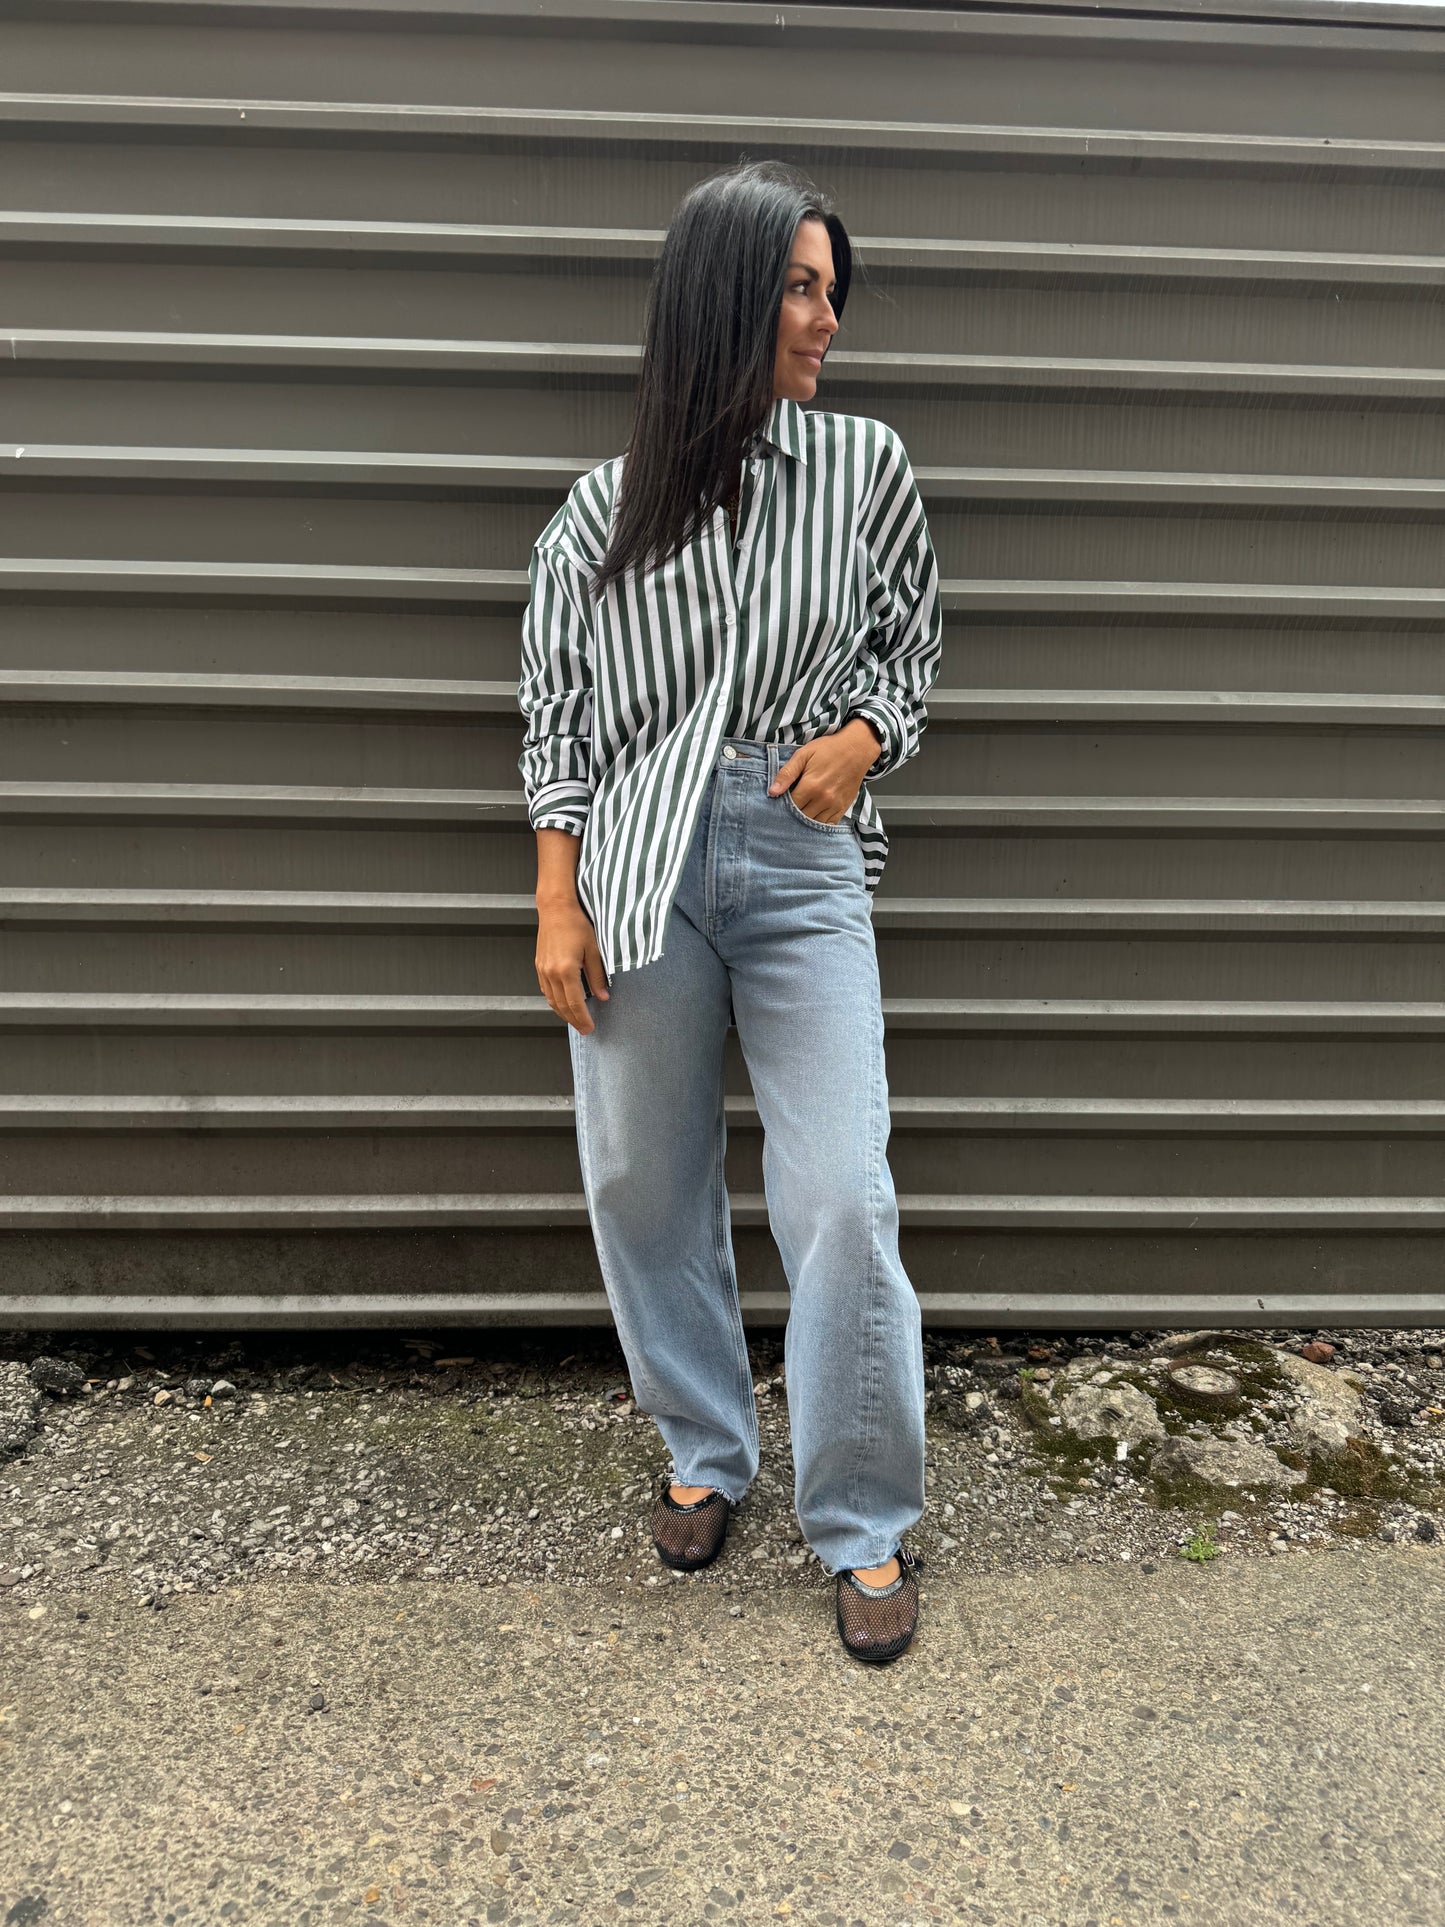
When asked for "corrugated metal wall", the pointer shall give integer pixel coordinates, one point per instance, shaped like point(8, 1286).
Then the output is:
point(315, 311)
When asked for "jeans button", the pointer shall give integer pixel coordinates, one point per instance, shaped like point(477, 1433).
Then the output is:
point(729, 752)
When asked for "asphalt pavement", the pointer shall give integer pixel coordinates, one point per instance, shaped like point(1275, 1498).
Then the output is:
point(1242, 1741)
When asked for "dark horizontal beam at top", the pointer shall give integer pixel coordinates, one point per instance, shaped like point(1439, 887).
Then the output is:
point(923, 26)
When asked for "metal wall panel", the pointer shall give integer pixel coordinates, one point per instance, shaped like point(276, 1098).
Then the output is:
point(315, 311)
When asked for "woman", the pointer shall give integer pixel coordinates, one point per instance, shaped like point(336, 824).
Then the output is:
point(731, 627)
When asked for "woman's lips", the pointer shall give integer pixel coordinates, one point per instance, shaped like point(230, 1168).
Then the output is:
point(815, 355)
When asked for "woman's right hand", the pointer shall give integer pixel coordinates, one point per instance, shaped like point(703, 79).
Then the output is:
point(566, 948)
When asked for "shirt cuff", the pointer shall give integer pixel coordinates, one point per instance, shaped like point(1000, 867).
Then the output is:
point(876, 713)
point(561, 806)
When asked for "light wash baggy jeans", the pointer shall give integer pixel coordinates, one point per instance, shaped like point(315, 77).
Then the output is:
point(772, 917)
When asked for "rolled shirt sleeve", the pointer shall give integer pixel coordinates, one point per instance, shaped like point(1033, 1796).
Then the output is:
point(555, 690)
point(905, 641)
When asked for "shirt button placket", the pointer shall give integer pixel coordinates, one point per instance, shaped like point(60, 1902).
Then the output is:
point(727, 682)
point(736, 560)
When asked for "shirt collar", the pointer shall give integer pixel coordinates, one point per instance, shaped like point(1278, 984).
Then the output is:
point(786, 428)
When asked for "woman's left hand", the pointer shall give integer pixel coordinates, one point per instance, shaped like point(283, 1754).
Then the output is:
point(826, 775)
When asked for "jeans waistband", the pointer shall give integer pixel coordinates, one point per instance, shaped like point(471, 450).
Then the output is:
point(751, 749)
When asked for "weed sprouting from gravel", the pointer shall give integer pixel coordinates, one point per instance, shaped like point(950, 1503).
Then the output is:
point(1201, 1545)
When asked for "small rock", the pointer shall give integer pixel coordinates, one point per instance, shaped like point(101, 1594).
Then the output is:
point(1395, 1412)
point(1232, 1462)
point(197, 1387)
point(223, 1388)
point(57, 1376)
point(1092, 1411)
point(1426, 1529)
point(1317, 1432)
point(1328, 1409)
point(318, 1702)
point(1318, 1351)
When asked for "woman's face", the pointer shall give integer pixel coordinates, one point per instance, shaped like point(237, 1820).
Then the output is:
point(806, 322)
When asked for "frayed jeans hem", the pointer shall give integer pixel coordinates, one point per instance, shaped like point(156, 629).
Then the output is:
point(677, 1478)
point(864, 1565)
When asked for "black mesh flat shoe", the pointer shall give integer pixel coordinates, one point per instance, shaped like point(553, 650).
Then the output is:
point(688, 1537)
point(877, 1623)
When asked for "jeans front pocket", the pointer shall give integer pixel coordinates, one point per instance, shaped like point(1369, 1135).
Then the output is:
point(828, 829)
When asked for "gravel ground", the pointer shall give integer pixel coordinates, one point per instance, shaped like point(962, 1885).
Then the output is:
point(175, 1464)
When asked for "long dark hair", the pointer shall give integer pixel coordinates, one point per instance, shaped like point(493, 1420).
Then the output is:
point(710, 340)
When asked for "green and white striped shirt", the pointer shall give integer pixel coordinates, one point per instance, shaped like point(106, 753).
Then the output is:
point(827, 607)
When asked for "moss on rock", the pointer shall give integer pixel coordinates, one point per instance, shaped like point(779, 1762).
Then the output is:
point(1242, 1430)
